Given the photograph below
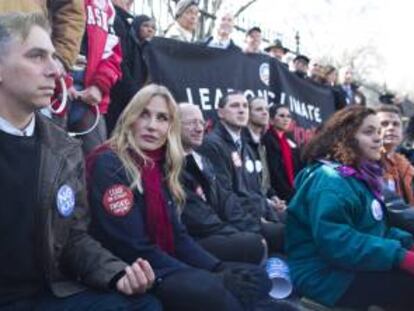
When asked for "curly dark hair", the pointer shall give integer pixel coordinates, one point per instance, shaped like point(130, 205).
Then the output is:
point(336, 139)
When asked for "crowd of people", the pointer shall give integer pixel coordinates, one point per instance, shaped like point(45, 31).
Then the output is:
point(150, 211)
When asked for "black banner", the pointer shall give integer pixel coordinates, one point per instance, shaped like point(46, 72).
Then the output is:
point(309, 103)
point(200, 75)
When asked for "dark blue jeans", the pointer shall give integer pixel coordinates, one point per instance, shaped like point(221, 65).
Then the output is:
point(195, 290)
point(88, 300)
point(392, 289)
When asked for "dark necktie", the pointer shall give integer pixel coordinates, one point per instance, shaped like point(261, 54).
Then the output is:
point(238, 145)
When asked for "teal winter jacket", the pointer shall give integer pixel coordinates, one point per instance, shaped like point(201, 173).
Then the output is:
point(335, 228)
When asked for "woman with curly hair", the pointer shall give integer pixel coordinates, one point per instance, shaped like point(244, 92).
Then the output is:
point(341, 251)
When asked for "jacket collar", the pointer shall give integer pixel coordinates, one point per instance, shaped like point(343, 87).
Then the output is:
point(224, 133)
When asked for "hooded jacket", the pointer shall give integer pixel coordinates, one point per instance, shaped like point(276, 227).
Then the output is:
point(134, 69)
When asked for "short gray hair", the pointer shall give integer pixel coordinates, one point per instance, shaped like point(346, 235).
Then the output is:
point(18, 25)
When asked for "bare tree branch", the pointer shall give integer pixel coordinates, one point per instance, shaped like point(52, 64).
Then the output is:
point(170, 10)
point(216, 6)
point(244, 7)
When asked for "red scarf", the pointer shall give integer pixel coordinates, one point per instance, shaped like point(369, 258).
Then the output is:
point(286, 152)
point(159, 225)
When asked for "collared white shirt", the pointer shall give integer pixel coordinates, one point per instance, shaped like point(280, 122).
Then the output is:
point(220, 44)
point(235, 136)
point(197, 158)
point(9, 128)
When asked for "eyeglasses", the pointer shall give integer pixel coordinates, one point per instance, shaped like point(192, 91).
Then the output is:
point(194, 123)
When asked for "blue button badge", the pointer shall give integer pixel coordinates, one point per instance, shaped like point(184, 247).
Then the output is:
point(65, 200)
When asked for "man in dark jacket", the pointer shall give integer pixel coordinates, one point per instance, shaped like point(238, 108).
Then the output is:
point(223, 29)
point(205, 202)
point(47, 256)
point(253, 134)
point(238, 173)
point(301, 66)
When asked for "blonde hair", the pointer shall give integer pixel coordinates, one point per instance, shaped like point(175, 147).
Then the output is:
point(123, 141)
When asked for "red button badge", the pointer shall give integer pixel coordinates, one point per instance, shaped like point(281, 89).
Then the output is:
point(118, 200)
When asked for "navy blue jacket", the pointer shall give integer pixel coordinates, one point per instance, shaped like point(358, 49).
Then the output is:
point(126, 236)
point(238, 176)
point(204, 209)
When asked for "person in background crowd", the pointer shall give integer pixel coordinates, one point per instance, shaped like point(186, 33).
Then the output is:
point(387, 98)
point(223, 29)
point(238, 172)
point(277, 50)
point(123, 20)
point(407, 146)
point(345, 79)
point(398, 172)
point(205, 201)
point(134, 68)
point(186, 21)
point(253, 40)
point(283, 155)
point(67, 20)
point(349, 88)
point(330, 78)
point(136, 197)
point(143, 29)
point(122, 25)
point(253, 133)
point(301, 66)
point(315, 71)
point(341, 250)
point(330, 75)
point(98, 68)
point(48, 261)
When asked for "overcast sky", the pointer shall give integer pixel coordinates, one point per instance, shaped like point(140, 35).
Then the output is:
point(333, 27)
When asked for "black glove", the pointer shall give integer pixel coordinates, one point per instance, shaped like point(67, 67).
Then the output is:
point(249, 283)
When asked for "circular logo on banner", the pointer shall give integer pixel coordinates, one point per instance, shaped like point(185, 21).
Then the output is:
point(65, 200)
point(249, 166)
point(258, 166)
point(118, 200)
point(236, 159)
point(264, 73)
point(376, 210)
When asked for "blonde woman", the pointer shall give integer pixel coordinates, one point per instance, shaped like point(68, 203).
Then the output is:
point(135, 197)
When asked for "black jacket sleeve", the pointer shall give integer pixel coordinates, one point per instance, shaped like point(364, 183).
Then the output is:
point(236, 208)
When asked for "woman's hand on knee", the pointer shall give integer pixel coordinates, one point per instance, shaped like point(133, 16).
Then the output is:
point(137, 279)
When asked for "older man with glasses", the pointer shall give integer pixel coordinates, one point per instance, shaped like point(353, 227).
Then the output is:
point(205, 204)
